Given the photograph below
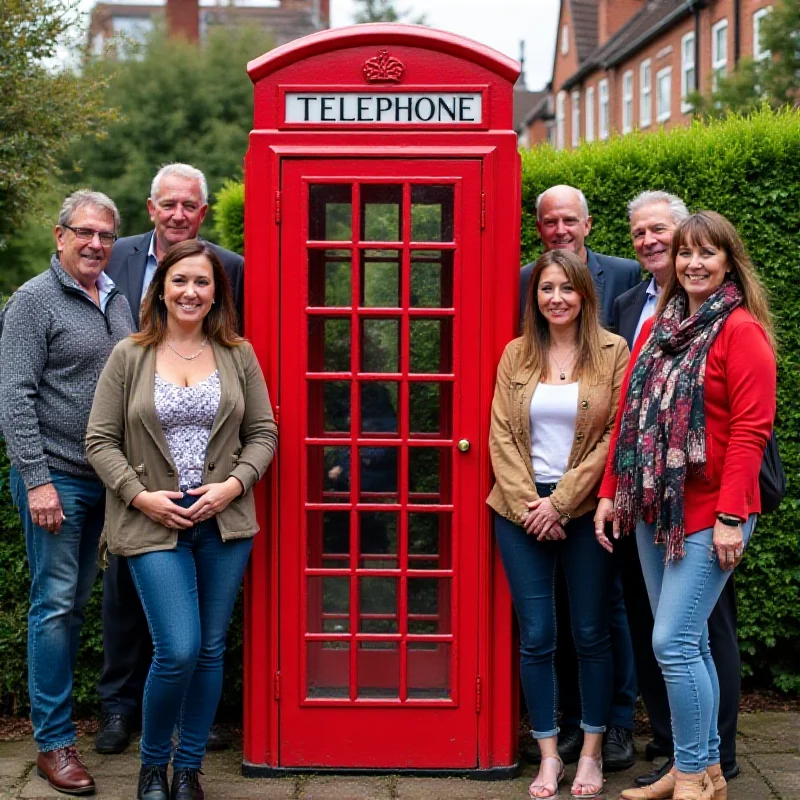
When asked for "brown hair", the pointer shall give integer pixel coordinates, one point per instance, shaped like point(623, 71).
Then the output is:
point(219, 325)
point(714, 229)
point(536, 332)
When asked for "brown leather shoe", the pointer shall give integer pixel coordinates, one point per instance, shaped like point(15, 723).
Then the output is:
point(64, 771)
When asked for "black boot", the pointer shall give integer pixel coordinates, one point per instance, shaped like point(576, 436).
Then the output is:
point(153, 783)
point(186, 784)
point(114, 734)
point(617, 749)
point(570, 742)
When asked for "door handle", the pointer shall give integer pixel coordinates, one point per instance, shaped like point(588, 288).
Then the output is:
point(463, 445)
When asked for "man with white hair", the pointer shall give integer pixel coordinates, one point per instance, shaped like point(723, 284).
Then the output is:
point(58, 330)
point(177, 206)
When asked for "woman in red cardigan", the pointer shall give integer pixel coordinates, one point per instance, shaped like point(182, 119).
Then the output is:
point(683, 472)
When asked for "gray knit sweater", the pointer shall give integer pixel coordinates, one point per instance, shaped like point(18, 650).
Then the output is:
point(55, 342)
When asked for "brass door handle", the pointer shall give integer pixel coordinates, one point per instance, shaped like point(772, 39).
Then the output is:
point(463, 445)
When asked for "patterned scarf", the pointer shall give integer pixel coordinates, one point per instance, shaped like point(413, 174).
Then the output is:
point(662, 436)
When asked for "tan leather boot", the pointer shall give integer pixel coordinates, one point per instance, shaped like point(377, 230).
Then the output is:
point(718, 782)
point(689, 786)
point(660, 790)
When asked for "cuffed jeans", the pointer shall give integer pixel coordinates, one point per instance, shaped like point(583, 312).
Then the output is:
point(530, 567)
point(188, 595)
point(682, 595)
point(63, 567)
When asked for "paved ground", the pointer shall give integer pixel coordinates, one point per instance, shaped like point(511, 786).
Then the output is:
point(769, 753)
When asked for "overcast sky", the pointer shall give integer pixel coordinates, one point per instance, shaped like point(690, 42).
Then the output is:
point(498, 23)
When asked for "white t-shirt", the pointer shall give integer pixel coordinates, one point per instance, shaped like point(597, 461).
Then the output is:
point(553, 411)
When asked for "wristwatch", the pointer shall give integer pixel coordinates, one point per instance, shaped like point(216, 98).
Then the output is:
point(729, 520)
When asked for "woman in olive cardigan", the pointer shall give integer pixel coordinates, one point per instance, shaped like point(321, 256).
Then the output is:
point(180, 431)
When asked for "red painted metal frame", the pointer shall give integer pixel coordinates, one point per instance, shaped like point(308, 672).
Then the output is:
point(433, 59)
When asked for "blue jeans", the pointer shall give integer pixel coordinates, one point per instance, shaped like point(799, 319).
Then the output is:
point(530, 567)
point(63, 567)
point(682, 595)
point(188, 595)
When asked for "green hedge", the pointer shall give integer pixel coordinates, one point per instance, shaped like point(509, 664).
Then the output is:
point(747, 169)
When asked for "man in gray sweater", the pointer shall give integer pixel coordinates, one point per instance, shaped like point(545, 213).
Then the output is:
point(59, 329)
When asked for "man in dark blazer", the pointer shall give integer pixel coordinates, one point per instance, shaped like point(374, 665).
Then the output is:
point(654, 216)
point(177, 205)
point(563, 221)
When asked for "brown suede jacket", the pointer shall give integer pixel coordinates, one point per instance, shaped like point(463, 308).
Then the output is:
point(510, 434)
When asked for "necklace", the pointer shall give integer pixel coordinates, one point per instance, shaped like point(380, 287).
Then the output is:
point(562, 372)
point(188, 358)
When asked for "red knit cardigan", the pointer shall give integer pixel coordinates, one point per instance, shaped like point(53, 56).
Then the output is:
point(740, 411)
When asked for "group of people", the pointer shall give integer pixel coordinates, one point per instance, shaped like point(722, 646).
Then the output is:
point(629, 424)
point(137, 421)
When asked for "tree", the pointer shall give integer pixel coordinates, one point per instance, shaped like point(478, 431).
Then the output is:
point(42, 110)
point(384, 11)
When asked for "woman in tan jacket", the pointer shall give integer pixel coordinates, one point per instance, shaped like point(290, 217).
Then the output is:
point(180, 430)
point(554, 404)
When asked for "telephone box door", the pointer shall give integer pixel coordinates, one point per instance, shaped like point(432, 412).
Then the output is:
point(380, 496)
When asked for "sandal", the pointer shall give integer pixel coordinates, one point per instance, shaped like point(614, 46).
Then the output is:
point(594, 784)
point(540, 783)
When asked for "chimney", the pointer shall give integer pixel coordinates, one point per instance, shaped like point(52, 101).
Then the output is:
point(612, 15)
point(183, 19)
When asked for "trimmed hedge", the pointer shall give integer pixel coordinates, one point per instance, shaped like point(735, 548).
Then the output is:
point(749, 170)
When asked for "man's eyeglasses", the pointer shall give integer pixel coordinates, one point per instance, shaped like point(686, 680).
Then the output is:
point(87, 234)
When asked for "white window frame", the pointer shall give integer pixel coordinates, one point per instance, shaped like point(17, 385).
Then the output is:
point(646, 93)
point(758, 53)
point(719, 63)
point(589, 123)
point(564, 39)
point(662, 115)
point(627, 101)
point(603, 113)
point(688, 67)
point(576, 119)
point(561, 117)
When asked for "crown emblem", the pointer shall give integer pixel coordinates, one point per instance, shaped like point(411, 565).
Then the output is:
point(383, 68)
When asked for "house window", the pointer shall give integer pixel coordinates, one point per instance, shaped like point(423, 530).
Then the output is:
point(663, 94)
point(602, 111)
point(646, 93)
point(688, 71)
point(590, 114)
point(560, 119)
point(576, 119)
point(564, 39)
point(627, 102)
point(719, 51)
point(759, 52)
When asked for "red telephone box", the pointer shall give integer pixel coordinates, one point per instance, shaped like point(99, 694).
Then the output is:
point(382, 247)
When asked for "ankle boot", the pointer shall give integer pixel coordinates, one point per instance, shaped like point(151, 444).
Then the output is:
point(662, 789)
point(689, 786)
point(718, 782)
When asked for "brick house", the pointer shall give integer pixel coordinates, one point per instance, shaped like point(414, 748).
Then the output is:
point(622, 65)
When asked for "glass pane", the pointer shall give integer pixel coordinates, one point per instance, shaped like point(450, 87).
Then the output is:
point(381, 219)
point(430, 408)
point(429, 475)
point(328, 670)
point(328, 344)
point(328, 539)
point(328, 605)
point(328, 407)
point(431, 345)
point(329, 278)
point(429, 605)
point(378, 540)
point(328, 474)
point(330, 212)
point(431, 279)
point(377, 605)
point(429, 544)
point(428, 670)
point(380, 279)
point(378, 475)
point(378, 407)
point(379, 670)
point(431, 213)
point(380, 345)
